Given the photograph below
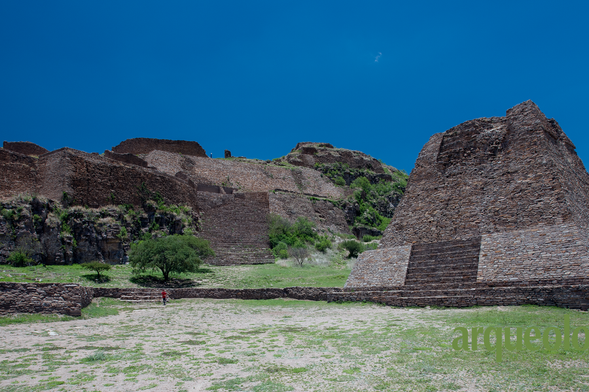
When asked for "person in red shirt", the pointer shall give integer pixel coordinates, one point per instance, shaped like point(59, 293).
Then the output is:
point(164, 297)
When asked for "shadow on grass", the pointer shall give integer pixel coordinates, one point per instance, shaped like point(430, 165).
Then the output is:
point(94, 278)
point(156, 281)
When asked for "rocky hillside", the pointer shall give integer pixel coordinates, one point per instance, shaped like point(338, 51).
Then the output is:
point(49, 233)
point(377, 187)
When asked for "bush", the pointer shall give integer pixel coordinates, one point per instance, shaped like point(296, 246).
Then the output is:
point(171, 254)
point(281, 250)
point(97, 267)
point(281, 230)
point(354, 247)
point(368, 238)
point(299, 253)
point(19, 259)
point(340, 181)
point(323, 243)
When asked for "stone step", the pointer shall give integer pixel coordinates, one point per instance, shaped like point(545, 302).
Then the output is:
point(471, 253)
point(470, 262)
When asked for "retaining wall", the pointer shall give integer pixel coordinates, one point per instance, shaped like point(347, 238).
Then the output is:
point(46, 298)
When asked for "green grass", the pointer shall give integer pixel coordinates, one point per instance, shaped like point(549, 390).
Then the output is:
point(241, 277)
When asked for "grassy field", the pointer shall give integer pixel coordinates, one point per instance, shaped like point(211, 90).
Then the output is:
point(281, 345)
point(246, 276)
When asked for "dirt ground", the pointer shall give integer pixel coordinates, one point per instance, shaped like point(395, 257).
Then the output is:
point(232, 345)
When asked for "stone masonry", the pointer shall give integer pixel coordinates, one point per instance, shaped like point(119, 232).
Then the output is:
point(501, 199)
point(142, 145)
point(236, 225)
point(246, 176)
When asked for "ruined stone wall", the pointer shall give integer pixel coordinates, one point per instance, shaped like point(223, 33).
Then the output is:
point(245, 176)
point(53, 174)
point(380, 268)
point(236, 226)
point(144, 145)
point(18, 174)
point(46, 298)
point(489, 175)
point(96, 181)
point(26, 148)
point(323, 213)
point(542, 252)
point(125, 158)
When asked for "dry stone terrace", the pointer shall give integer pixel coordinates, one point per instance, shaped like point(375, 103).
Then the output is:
point(502, 200)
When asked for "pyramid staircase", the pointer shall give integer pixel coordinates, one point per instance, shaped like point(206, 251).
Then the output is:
point(449, 263)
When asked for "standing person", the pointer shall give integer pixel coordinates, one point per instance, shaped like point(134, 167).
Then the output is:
point(164, 297)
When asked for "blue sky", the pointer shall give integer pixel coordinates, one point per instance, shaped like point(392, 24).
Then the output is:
point(258, 77)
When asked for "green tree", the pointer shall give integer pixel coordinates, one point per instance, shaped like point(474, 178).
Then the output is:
point(170, 254)
point(97, 267)
point(354, 247)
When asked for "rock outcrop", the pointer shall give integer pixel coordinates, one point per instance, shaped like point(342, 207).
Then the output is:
point(25, 148)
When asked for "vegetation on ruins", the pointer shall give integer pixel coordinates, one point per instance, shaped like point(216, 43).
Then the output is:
point(372, 204)
point(97, 267)
point(285, 236)
point(169, 254)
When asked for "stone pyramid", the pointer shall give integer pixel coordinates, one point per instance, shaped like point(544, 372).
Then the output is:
point(492, 201)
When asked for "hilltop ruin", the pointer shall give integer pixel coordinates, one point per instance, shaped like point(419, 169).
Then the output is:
point(229, 199)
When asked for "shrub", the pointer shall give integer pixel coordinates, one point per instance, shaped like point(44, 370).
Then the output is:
point(299, 253)
point(19, 259)
point(354, 247)
point(281, 230)
point(340, 181)
point(281, 250)
point(323, 243)
point(171, 254)
point(97, 267)
point(368, 238)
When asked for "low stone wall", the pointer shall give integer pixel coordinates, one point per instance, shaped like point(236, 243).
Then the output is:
point(302, 293)
point(46, 298)
point(565, 296)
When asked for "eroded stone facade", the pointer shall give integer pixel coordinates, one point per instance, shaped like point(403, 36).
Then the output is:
point(512, 188)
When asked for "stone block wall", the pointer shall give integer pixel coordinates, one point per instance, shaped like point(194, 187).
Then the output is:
point(125, 158)
point(236, 226)
point(246, 176)
point(142, 145)
point(322, 212)
point(93, 180)
point(380, 268)
point(543, 252)
point(26, 148)
point(18, 174)
point(46, 298)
